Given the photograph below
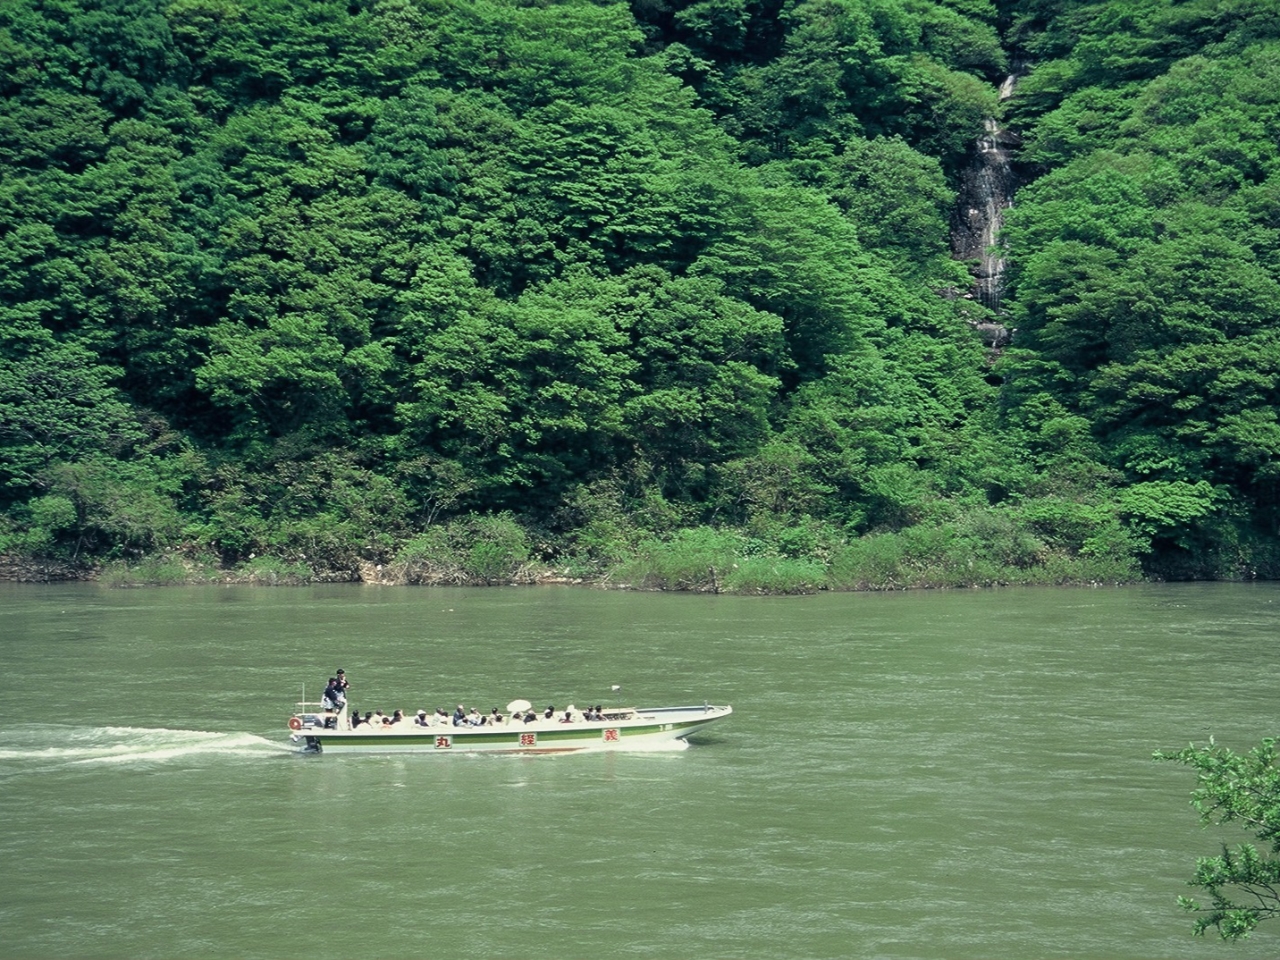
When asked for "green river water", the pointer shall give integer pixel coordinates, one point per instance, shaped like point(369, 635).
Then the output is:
point(933, 775)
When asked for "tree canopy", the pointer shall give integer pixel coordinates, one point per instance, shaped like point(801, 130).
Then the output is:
point(306, 280)
point(1242, 883)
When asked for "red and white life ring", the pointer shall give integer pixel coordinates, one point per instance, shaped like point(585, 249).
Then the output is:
point(295, 723)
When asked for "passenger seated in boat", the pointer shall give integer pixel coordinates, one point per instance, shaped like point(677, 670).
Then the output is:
point(551, 712)
point(460, 717)
point(397, 717)
point(568, 715)
point(421, 719)
point(442, 717)
point(495, 716)
point(474, 718)
point(529, 717)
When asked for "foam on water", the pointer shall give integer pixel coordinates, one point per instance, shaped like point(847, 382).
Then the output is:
point(37, 743)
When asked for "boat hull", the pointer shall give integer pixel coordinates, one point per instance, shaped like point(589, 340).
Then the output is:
point(645, 729)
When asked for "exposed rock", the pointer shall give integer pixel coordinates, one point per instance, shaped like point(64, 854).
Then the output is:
point(15, 569)
point(986, 192)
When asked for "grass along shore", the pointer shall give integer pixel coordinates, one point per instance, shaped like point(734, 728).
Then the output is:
point(700, 559)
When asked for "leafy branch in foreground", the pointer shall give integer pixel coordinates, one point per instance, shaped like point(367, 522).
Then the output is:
point(1243, 885)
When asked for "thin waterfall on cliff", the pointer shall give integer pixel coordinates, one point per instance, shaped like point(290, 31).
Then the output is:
point(986, 191)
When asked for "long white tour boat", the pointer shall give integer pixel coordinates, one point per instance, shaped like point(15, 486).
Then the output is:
point(519, 730)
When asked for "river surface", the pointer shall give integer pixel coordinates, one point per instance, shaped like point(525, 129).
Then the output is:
point(932, 775)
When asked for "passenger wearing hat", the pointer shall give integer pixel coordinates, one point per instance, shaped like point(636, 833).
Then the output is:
point(341, 679)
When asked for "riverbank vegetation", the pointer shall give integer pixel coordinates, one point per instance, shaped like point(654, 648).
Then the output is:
point(654, 294)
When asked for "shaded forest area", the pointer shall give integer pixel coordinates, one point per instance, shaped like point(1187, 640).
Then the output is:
point(655, 293)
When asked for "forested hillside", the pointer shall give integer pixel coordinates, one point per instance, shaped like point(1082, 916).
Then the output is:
point(657, 293)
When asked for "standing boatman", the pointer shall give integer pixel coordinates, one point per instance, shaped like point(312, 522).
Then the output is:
point(333, 697)
point(339, 686)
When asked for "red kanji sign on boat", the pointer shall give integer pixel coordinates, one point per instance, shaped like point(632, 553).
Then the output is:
point(444, 743)
point(528, 739)
point(611, 736)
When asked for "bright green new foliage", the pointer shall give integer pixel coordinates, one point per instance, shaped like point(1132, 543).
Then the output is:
point(1243, 882)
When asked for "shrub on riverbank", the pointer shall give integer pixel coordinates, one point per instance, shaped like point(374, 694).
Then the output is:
point(480, 550)
point(175, 570)
point(972, 551)
point(775, 575)
point(708, 560)
point(161, 571)
point(980, 550)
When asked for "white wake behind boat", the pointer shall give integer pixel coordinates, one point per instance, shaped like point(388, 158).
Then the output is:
point(617, 728)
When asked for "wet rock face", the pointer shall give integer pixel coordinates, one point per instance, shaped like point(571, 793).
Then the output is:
point(986, 192)
point(996, 336)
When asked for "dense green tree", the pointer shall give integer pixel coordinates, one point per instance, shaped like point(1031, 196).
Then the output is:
point(877, 68)
point(1241, 882)
point(303, 279)
point(57, 404)
point(1144, 285)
